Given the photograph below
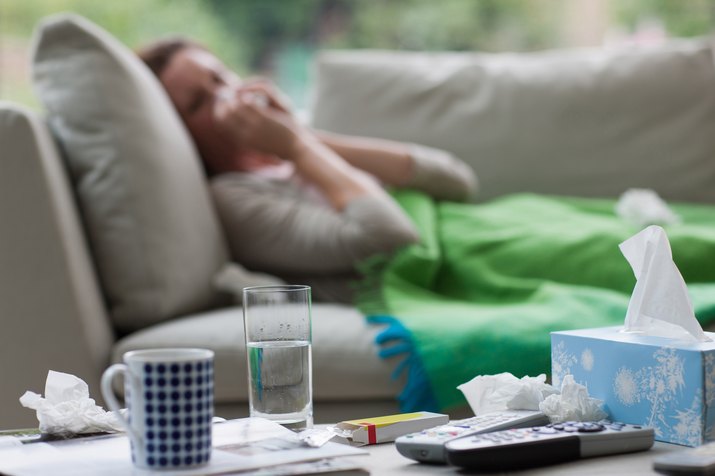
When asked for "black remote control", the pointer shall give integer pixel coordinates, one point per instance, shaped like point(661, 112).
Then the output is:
point(550, 444)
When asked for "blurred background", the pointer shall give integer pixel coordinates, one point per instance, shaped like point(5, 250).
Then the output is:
point(278, 38)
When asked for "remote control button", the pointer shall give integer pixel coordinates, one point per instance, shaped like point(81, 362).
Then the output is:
point(570, 429)
point(547, 431)
point(591, 428)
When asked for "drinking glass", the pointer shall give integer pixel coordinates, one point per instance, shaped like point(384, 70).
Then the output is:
point(277, 322)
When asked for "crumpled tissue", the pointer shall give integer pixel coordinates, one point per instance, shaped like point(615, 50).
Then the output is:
point(572, 404)
point(660, 304)
point(67, 409)
point(504, 391)
point(642, 206)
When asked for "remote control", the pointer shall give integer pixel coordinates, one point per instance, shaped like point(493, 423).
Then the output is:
point(428, 446)
point(700, 461)
point(554, 443)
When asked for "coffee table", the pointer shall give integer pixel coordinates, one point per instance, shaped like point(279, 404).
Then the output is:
point(384, 460)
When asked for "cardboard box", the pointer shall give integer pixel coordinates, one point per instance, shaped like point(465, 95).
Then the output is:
point(370, 431)
point(664, 383)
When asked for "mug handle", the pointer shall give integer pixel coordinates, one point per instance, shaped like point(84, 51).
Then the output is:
point(111, 399)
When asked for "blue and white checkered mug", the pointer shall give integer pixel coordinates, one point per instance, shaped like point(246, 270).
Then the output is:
point(169, 397)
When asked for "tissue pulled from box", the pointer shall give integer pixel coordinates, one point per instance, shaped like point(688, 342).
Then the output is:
point(572, 404)
point(504, 391)
point(67, 409)
point(641, 207)
point(660, 304)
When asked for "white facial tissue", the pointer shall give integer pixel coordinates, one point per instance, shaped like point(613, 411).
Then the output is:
point(659, 305)
point(641, 207)
point(572, 404)
point(504, 391)
point(67, 409)
point(491, 393)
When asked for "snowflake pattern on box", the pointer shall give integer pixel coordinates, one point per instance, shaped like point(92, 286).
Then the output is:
point(709, 362)
point(689, 425)
point(625, 387)
point(587, 359)
point(561, 363)
point(660, 385)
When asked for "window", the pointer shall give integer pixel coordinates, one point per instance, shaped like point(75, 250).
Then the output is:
point(278, 38)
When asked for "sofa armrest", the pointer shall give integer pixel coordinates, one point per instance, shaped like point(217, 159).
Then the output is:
point(51, 307)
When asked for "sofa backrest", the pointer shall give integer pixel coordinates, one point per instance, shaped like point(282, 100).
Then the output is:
point(580, 122)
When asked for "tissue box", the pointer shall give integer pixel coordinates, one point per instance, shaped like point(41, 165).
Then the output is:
point(382, 429)
point(664, 383)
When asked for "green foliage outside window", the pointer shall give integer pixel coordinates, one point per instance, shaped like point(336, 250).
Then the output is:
point(133, 22)
point(279, 37)
point(682, 18)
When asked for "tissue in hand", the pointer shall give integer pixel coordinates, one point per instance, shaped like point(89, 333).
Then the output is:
point(643, 375)
point(67, 410)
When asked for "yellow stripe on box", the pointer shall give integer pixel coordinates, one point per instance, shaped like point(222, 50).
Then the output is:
point(386, 420)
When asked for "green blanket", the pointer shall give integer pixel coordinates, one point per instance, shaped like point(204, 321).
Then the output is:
point(488, 283)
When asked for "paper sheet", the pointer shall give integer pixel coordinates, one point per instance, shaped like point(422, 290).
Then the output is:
point(239, 445)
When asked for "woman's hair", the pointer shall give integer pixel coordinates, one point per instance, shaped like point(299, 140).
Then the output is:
point(159, 53)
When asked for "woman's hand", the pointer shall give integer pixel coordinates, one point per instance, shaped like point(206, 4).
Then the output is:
point(259, 126)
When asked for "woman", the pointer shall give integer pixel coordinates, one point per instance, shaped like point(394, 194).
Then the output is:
point(301, 204)
point(486, 284)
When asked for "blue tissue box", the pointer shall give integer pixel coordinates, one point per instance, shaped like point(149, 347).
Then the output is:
point(664, 383)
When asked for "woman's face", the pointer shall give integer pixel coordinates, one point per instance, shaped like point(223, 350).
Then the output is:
point(193, 78)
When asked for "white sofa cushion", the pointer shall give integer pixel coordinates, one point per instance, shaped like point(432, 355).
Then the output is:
point(580, 122)
point(155, 237)
point(346, 365)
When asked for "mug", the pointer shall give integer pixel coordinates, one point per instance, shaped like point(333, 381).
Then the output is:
point(169, 397)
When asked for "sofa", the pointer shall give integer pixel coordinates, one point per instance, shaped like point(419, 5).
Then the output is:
point(67, 303)
point(110, 242)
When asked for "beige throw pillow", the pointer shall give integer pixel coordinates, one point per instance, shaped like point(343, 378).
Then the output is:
point(581, 122)
point(154, 234)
